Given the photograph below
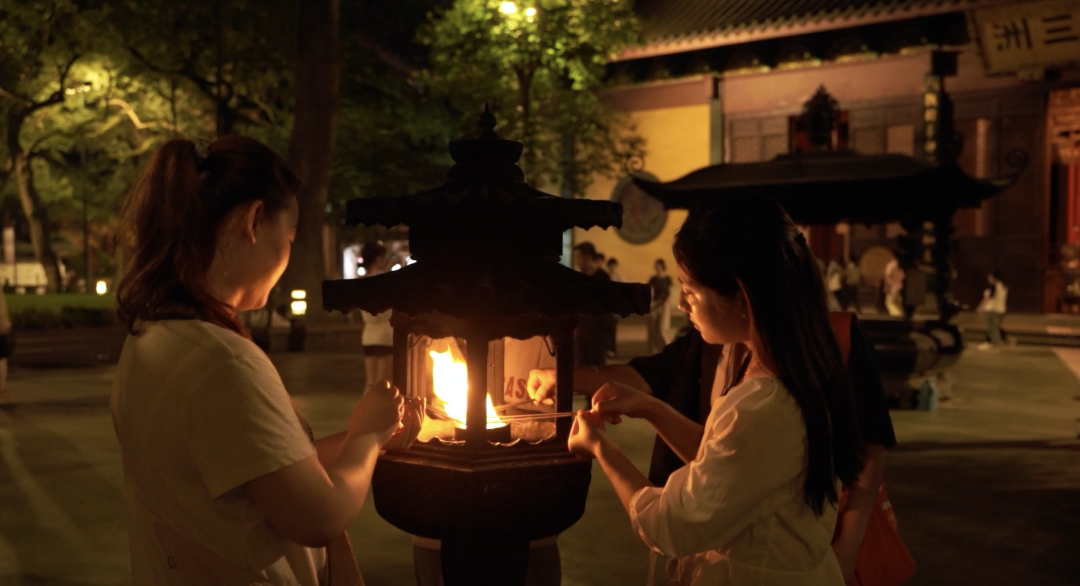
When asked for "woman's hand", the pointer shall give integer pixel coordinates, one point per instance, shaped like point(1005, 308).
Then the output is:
point(587, 434)
point(541, 385)
point(378, 413)
point(614, 399)
point(411, 423)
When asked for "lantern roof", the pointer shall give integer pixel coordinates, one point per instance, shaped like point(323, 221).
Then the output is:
point(827, 187)
point(487, 248)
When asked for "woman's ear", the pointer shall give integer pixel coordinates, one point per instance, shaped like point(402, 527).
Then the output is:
point(252, 215)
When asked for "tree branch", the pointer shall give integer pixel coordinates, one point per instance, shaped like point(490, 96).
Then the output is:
point(385, 55)
point(132, 115)
point(14, 95)
point(135, 52)
point(57, 96)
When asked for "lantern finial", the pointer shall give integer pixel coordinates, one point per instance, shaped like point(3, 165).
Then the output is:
point(486, 122)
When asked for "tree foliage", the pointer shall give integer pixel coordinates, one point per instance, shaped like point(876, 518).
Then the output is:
point(541, 65)
point(232, 58)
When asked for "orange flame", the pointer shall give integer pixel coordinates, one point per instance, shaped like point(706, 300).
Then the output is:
point(451, 383)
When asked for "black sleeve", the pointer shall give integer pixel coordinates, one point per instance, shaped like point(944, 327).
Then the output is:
point(871, 410)
point(660, 370)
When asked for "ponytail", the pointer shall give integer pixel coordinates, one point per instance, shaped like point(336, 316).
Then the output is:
point(172, 217)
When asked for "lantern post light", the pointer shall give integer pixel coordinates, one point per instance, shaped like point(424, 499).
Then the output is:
point(297, 311)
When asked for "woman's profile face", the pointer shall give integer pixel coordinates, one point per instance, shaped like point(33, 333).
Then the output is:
point(274, 234)
point(721, 319)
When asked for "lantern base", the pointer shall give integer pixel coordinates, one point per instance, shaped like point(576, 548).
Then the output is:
point(512, 493)
point(491, 434)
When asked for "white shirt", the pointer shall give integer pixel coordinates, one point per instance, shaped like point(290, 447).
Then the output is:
point(199, 412)
point(834, 276)
point(736, 513)
point(996, 297)
point(377, 329)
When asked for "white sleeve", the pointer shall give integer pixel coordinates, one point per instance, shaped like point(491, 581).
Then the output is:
point(750, 456)
point(240, 425)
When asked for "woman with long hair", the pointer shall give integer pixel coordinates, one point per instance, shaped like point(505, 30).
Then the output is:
point(225, 483)
point(756, 502)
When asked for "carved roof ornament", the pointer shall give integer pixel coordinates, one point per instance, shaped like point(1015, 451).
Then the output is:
point(821, 114)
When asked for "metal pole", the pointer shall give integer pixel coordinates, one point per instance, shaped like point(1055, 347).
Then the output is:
point(476, 359)
point(564, 373)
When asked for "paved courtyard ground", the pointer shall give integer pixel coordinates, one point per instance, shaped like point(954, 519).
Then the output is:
point(987, 488)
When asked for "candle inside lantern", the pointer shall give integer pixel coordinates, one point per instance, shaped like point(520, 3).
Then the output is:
point(451, 385)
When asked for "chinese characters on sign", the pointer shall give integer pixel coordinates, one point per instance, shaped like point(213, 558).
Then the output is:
point(1030, 35)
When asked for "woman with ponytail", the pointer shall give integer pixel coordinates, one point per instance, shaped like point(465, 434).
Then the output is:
point(224, 482)
point(756, 502)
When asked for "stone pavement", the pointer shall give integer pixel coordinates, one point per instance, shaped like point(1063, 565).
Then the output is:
point(987, 488)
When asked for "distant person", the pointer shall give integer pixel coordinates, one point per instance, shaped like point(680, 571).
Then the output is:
point(893, 286)
point(659, 332)
point(225, 483)
point(616, 277)
point(7, 346)
point(852, 282)
point(378, 335)
point(613, 270)
point(993, 306)
point(593, 332)
point(834, 281)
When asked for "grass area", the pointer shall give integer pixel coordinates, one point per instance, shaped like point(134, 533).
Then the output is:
point(55, 301)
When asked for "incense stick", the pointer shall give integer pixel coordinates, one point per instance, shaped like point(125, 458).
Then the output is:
point(508, 418)
point(512, 405)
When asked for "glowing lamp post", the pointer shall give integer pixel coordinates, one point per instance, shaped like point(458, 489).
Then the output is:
point(101, 288)
point(297, 310)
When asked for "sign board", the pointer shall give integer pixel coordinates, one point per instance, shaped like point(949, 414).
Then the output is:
point(1031, 35)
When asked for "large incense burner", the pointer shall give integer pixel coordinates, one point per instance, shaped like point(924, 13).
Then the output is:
point(485, 296)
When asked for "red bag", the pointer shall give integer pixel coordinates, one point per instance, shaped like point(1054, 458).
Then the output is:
point(883, 559)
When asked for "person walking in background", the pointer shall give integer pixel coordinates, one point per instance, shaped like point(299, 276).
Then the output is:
point(892, 284)
point(993, 306)
point(834, 280)
point(852, 282)
point(660, 310)
point(378, 335)
point(613, 270)
point(616, 276)
point(592, 333)
point(7, 345)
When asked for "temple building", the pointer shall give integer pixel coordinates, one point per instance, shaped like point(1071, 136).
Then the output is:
point(724, 81)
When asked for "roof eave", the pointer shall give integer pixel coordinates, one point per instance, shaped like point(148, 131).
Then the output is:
point(760, 32)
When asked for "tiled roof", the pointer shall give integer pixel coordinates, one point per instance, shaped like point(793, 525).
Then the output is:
point(834, 186)
point(694, 24)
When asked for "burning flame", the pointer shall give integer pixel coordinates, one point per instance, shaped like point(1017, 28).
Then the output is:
point(452, 387)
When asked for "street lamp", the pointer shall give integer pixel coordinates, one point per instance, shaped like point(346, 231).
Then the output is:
point(297, 310)
point(101, 287)
point(508, 8)
point(298, 306)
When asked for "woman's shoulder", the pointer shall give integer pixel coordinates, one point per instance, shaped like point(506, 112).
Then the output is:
point(212, 342)
point(756, 395)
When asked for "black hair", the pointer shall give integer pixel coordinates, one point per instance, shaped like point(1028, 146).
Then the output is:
point(751, 241)
point(171, 219)
point(586, 248)
point(660, 262)
point(371, 252)
point(997, 275)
